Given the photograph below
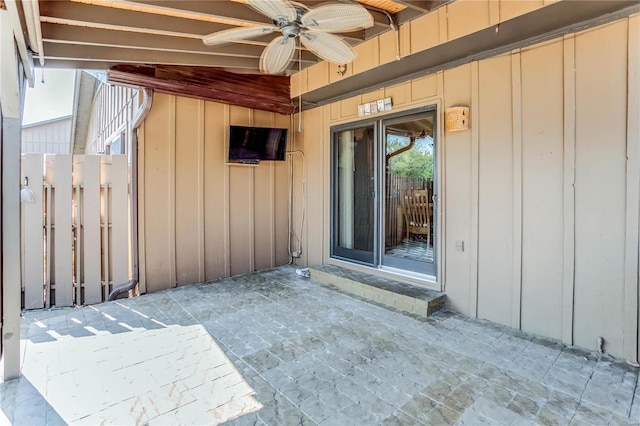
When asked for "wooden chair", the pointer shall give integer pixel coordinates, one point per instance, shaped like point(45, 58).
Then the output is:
point(417, 215)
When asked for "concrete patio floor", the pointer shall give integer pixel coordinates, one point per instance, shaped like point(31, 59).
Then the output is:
point(274, 348)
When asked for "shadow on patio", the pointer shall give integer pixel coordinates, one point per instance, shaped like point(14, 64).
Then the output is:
point(274, 348)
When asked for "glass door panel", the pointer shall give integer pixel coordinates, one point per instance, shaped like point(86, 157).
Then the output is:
point(408, 211)
point(354, 194)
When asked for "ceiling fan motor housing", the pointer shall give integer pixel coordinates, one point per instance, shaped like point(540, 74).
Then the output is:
point(290, 31)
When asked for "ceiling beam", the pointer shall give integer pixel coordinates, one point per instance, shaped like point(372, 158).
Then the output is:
point(66, 34)
point(379, 18)
point(232, 10)
point(81, 14)
point(64, 10)
point(142, 56)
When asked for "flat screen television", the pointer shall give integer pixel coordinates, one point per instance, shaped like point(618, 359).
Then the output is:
point(253, 144)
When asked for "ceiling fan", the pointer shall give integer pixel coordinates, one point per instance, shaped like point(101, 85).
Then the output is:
point(312, 26)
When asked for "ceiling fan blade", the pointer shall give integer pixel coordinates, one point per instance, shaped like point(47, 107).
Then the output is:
point(274, 9)
point(236, 34)
point(277, 55)
point(337, 18)
point(328, 47)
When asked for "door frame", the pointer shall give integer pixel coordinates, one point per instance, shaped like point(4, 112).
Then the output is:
point(439, 217)
point(381, 185)
point(357, 256)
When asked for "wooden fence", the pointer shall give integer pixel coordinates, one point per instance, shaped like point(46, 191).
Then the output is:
point(75, 234)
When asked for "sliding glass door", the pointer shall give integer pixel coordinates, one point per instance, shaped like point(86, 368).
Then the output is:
point(408, 180)
point(384, 192)
point(354, 189)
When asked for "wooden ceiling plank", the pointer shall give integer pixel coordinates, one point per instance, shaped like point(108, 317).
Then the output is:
point(409, 13)
point(214, 85)
point(379, 18)
point(422, 6)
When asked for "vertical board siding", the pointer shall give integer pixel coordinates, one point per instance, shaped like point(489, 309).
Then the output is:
point(240, 203)
point(280, 196)
point(111, 111)
point(214, 181)
point(457, 182)
point(576, 125)
point(204, 218)
point(542, 188)
point(632, 243)
point(263, 220)
point(569, 163)
point(187, 193)
point(601, 122)
point(156, 147)
point(315, 187)
point(495, 206)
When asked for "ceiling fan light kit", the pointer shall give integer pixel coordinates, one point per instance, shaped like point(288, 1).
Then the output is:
point(313, 27)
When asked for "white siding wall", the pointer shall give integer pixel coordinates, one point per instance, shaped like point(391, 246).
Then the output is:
point(50, 137)
point(112, 111)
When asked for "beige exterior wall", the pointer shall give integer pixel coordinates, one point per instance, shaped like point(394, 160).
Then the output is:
point(447, 23)
point(199, 217)
point(539, 189)
point(112, 112)
point(49, 137)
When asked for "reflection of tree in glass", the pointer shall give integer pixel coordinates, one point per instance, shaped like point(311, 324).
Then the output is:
point(416, 162)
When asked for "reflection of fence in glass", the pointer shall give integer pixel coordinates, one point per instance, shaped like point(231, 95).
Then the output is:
point(396, 189)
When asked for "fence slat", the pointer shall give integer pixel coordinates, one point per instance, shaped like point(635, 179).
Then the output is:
point(86, 169)
point(48, 241)
point(33, 244)
point(116, 173)
point(105, 239)
point(58, 173)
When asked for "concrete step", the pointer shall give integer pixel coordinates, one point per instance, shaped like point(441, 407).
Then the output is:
point(405, 297)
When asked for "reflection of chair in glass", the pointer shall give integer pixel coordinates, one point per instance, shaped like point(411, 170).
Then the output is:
point(416, 214)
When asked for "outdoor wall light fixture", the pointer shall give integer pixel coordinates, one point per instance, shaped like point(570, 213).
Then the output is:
point(342, 69)
point(26, 194)
point(456, 119)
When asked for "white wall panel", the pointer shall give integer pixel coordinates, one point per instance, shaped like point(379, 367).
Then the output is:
point(495, 208)
point(203, 218)
point(457, 182)
point(542, 189)
point(601, 93)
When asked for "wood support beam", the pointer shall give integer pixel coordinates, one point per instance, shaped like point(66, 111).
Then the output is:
point(66, 34)
point(65, 11)
point(143, 56)
point(264, 92)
